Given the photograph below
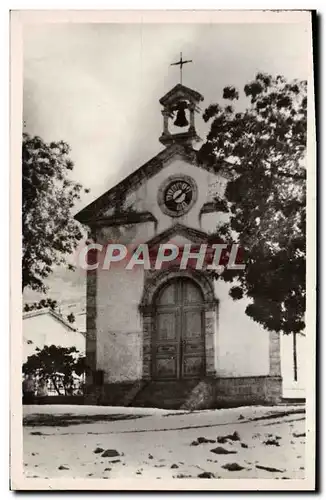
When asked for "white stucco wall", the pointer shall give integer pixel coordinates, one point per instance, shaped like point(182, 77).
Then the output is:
point(242, 345)
point(292, 388)
point(145, 197)
point(119, 329)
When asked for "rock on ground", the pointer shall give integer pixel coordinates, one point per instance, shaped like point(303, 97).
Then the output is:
point(112, 446)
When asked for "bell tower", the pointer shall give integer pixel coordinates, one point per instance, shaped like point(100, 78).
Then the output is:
point(179, 107)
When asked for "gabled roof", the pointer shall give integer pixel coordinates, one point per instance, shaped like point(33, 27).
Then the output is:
point(194, 235)
point(55, 315)
point(182, 91)
point(115, 195)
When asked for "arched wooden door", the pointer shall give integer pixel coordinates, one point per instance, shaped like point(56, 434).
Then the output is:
point(178, 337)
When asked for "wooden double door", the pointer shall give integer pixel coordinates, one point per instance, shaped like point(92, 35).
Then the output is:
point(178, 337)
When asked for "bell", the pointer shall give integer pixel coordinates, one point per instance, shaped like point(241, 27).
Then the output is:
point(181, 119)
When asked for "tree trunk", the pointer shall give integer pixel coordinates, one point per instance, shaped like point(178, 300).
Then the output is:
point(55, 386)
point(295, 359)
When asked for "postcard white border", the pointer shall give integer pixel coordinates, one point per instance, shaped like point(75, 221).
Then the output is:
point(18, 19)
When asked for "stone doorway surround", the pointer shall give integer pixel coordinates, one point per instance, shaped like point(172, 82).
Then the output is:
point(153, 282)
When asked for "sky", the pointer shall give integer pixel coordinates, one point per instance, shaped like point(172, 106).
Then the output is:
point(97, 86)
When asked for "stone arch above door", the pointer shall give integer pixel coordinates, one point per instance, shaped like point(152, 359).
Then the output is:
point(155, 279)
point(154, 282)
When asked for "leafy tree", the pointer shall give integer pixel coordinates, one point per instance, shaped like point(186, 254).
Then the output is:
point(262, 150)
point(49, 231)
point(52, 304)
point(71, 318)
point(52, 363)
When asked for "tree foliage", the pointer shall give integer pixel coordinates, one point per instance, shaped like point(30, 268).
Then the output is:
point(53, 362)
point(71, 318)
point(261, 151)
point(49, 231)
point(43, 303)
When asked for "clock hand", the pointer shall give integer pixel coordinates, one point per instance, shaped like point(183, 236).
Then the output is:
point(183, 191)
point(179, 195)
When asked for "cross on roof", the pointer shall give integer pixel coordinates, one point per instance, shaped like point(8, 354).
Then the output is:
point(180, 63)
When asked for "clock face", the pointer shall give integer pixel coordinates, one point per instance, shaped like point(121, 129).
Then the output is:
point(177, 195)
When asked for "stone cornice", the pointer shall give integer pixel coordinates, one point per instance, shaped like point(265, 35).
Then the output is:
point(122, 219)
point(192, 234)
point(156, 278)
point(208, 208)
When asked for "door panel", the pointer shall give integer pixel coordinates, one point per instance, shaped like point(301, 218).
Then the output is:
point(169, 295)
point(166, 326)
point(193, 345)
point(193, 366)
point(178, 342)
point(191, 293)
point(166, 367)
point(167, 344)
point(192, 324)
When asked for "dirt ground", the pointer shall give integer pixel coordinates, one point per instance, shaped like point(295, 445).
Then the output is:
point(111, 442)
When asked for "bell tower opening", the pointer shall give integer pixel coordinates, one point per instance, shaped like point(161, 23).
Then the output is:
point(179, 107)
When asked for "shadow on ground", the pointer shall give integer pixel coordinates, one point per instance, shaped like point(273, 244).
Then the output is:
point(67, 420)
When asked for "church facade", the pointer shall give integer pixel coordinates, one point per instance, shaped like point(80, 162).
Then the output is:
point(170, 337)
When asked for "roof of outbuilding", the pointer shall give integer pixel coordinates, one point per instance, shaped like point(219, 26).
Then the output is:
point(54, 314)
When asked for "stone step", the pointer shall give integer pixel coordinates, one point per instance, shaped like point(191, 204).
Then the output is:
point(169, 394)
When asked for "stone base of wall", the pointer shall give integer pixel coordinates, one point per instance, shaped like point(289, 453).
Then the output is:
point(117, 394)
point(189, 394)
point(241, 391)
